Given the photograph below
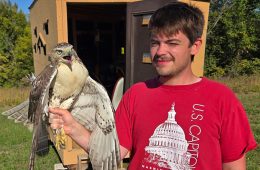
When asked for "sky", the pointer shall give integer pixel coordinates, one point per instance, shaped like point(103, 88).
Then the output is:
point(23, 5)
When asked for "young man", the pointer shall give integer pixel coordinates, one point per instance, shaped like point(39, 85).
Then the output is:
point(177, 120)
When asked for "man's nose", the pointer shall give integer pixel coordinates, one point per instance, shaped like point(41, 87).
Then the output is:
point(162, 49)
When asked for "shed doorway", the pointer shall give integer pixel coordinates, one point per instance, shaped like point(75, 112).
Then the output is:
point(98, 33)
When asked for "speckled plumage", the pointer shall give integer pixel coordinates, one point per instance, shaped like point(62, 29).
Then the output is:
point(65, 83)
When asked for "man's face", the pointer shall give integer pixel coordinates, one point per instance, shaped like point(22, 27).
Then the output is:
point(171, 55)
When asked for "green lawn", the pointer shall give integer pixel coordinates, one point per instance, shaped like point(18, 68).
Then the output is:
point(15, 146)
point(247, 89)
point(251, 102)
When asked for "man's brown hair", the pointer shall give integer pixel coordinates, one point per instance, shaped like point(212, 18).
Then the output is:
point(175, 17)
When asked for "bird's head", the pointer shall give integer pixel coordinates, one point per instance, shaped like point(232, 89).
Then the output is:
point(63, 53)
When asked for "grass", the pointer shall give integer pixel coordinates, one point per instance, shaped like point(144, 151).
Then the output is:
point(13, 96)
point(15, 148)
point(15, 139)
point(243, 84)
point(247, 89)
point(251, 102)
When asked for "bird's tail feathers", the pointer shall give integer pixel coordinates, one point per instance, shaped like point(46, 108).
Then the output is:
point(39, 137)
point(33, 148)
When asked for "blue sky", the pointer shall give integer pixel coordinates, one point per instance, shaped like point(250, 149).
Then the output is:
point(23, 5)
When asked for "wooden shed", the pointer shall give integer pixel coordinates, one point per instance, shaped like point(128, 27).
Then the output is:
point(110, 36)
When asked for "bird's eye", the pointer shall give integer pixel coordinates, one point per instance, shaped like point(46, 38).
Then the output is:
point(59, 52)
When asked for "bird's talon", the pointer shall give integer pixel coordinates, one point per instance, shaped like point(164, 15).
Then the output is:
point(60, 140)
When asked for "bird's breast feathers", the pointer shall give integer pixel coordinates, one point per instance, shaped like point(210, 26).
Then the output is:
point(70, 80)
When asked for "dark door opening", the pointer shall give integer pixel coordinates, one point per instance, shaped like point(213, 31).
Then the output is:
point(98, 33)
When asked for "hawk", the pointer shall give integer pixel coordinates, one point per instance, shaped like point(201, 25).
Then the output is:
point(65, 83)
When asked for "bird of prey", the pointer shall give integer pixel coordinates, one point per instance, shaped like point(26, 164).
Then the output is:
point(65, 83)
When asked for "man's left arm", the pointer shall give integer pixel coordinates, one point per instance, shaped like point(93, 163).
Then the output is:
point(239, 164)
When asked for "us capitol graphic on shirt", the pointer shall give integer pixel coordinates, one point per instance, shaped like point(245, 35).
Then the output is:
point(167, 146)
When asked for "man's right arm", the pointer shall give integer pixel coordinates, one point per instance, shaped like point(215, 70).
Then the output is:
point(62, 118)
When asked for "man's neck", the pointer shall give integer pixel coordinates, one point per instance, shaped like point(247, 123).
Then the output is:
point(179, 80)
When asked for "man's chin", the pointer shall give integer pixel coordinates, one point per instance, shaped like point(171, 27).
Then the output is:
point(165, 75)
point(162, 72)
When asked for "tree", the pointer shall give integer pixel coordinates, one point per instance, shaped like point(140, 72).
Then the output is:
point(15, 45)
point(233, 36)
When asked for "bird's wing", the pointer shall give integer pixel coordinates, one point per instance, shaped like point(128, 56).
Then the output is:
point(94, 110)
point(19, 113)
point(38, 103)
point(40, 90)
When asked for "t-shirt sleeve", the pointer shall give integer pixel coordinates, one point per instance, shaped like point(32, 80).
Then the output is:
point(123, 124)
point(236, 135)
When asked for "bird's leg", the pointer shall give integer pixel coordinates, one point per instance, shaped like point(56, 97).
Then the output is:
point(59, 134)
point(66, 104)
point(60, 138)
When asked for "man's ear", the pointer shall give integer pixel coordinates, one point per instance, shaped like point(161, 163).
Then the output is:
point(196, 46)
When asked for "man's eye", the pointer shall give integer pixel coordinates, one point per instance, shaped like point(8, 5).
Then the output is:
point(153, 43)
point(173, 43)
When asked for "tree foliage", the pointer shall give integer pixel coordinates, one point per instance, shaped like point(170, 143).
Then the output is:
point(15, 45)
point(233, 38)
point(232, 46)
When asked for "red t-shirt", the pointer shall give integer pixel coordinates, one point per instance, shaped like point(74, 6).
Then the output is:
point(197, 126)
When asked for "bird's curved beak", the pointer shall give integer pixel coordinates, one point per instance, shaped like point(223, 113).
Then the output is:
point(68, 60)
point(70, 66)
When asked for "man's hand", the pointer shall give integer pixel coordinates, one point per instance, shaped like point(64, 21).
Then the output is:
point(61, 118)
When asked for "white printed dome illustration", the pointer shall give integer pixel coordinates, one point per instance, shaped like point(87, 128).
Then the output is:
point(168, 145)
